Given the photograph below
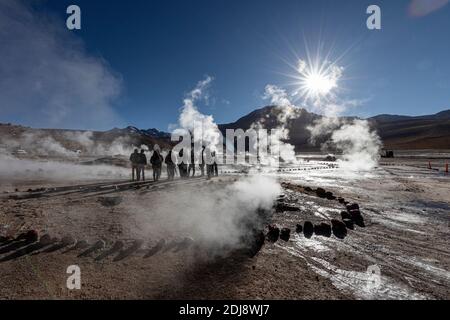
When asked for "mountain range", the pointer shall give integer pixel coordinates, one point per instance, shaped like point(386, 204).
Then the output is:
point(397, 132)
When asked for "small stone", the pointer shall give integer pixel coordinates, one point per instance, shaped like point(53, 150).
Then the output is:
point(273, 234)
point(308, 229)
point(321, 193)
point(339, 229)
point(285, 234)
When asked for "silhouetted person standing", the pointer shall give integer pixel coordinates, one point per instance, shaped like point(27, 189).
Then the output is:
point(134, 158)
point(192, 164)
point(156, 160)
point(212, 169)
point(182, 167)
point(170, 166)
point(142, 164)
point(202, 161)
point(215, 168)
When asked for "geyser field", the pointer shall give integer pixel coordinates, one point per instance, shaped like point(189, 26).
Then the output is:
point(218, 238)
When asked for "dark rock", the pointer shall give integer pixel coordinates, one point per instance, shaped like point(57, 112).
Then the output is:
point(349, 223)
point(110, 201)
point(187, 242)
point(68, 240)
point(357, 218)
point(285, 234)
point(29, 236)
point(137, 244)
point(46, 240)
point(154, 250)
point(353, 206)
point(345, 215)
point(4, 239)
point(308, 189)
point(321, 193)
point(273, 234)
point(339, 229)
point(323, 229)
point(299, 228)
point(99, 245)
point(118, 245)
point(258, 239)
point(308, 229)
point(329, 195)
point(341, 200)
point(281, 207)
point(81, 244)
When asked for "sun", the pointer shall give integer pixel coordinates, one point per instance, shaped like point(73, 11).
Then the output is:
point(318, 80)
point(319, 84)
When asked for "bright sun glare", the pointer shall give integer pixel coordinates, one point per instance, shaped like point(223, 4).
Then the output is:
point(317, 80)
point(319, 84)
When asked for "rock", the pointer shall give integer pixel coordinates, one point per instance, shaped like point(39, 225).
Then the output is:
point(99, 245)
point(339, 229)
point(321, 193)
point(68, 240)
point(46, 240)
point(154, 250)
point(285, 234)
point(81, 244)
point(5, 239)
point(353, 206)
point(281, 207)
point(349, 223)
point(187, 242)
point(341, 200)
point(29, 236)
point(110, 201)
point(357, 218)
point(329, 195)
point(345, 215)
point(308, 229)
point(258, 239)
point(136, 245)
point(299, 228)
point(273, 234)
point(323, 229)
point(308, 189)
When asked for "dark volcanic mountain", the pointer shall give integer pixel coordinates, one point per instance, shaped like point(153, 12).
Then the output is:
point(396, 132)
point(422, 132)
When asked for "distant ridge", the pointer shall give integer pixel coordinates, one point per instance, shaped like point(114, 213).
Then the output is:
point(396, 131)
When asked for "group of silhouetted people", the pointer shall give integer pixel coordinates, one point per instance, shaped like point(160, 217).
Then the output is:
point(139, 163)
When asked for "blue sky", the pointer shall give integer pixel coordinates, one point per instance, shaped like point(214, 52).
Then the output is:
point(160, 49)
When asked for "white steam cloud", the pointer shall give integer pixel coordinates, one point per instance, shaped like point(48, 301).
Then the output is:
point(318, 88)
point(215, 216)
point(192, 120)
point(285, 112)
point(47, 78)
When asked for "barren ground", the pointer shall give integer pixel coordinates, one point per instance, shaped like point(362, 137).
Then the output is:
point(406, 209)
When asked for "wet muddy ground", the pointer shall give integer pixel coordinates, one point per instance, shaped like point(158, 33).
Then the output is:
point(126, 249)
